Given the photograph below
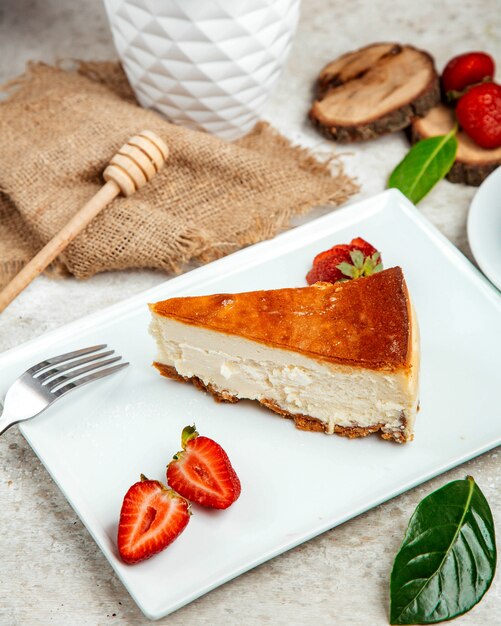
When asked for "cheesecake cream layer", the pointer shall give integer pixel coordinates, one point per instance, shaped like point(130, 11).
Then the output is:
point(334, 394)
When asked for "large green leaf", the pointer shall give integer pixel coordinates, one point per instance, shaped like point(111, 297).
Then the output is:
point(447, 559)
point(427, 162)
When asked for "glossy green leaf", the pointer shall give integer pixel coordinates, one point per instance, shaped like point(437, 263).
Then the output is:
point(447, 559)
point(427, 162)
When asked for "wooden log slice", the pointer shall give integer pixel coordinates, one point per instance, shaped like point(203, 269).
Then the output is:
point(473, 163)
point(376, 90)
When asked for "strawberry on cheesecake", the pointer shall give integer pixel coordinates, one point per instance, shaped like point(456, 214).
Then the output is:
point(341, 358)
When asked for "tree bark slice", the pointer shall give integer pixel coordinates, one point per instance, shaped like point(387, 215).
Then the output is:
point(473, 163)
point(376, 90)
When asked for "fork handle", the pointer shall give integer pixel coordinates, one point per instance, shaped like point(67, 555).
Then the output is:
point(6, 421)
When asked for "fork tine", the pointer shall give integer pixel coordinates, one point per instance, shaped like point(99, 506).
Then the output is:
point(87, 379)
point(55, 382)
point(63, 357)
point(67, 366)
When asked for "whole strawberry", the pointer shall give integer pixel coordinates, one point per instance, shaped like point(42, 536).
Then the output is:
point(345, 261)
point(152, 516)
point(465, 70)
point(202, 472)
point(479, 114)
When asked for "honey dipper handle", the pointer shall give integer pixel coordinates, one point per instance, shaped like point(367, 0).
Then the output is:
point(133, 166)
point(58, 243)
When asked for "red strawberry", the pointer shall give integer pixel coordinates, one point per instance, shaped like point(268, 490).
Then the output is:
point(364, 246)
point(325, 269)
point(202, 472)
point(152, 516)
point(344, 261)
point(479, 113)
point(465, 70)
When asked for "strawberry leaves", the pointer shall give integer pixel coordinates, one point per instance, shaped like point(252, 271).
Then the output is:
point(362, 266)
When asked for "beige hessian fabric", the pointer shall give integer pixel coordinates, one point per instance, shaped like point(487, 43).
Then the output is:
point(60, 128)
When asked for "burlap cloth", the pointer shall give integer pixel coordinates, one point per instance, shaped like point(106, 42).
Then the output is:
point(58, 131)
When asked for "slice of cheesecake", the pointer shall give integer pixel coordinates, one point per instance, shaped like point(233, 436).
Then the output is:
point(342, 358)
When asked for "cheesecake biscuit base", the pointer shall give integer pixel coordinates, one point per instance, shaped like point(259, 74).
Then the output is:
point(303, 422)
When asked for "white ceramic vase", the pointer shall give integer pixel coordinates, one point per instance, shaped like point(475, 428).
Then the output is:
point(205, 64)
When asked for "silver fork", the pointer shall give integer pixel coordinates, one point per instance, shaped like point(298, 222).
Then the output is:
point(44, 383)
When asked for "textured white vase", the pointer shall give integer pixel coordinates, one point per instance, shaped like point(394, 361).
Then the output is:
point(205, 64)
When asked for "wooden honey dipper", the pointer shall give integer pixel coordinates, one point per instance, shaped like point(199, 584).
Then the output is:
point(133, 166)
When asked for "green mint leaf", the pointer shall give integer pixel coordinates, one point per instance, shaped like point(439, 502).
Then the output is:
point(358, 258)
point(347, 269)
point(447, 559)
point(427, 162)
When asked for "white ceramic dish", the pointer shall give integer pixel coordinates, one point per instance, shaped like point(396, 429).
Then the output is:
point(295, 484)
point(484, 227)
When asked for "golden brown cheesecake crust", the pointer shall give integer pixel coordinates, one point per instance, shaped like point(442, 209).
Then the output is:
point(302, 422)
point(360, 323)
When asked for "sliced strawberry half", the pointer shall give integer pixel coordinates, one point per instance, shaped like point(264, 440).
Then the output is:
point(152, 516)
point(202, 472)
point(345, 261)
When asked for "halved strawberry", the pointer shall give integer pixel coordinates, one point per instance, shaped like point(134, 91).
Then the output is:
point(152, 516)
point(202, 472)
point(344, 261)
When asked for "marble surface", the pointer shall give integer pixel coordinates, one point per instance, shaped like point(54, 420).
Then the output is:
point(51, 572)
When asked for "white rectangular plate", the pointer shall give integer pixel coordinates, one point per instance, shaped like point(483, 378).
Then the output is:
point(295, 484)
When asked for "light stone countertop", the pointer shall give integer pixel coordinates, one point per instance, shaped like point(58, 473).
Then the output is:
point(51, 571)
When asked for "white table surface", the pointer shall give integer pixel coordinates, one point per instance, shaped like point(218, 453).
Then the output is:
point(51, 572)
